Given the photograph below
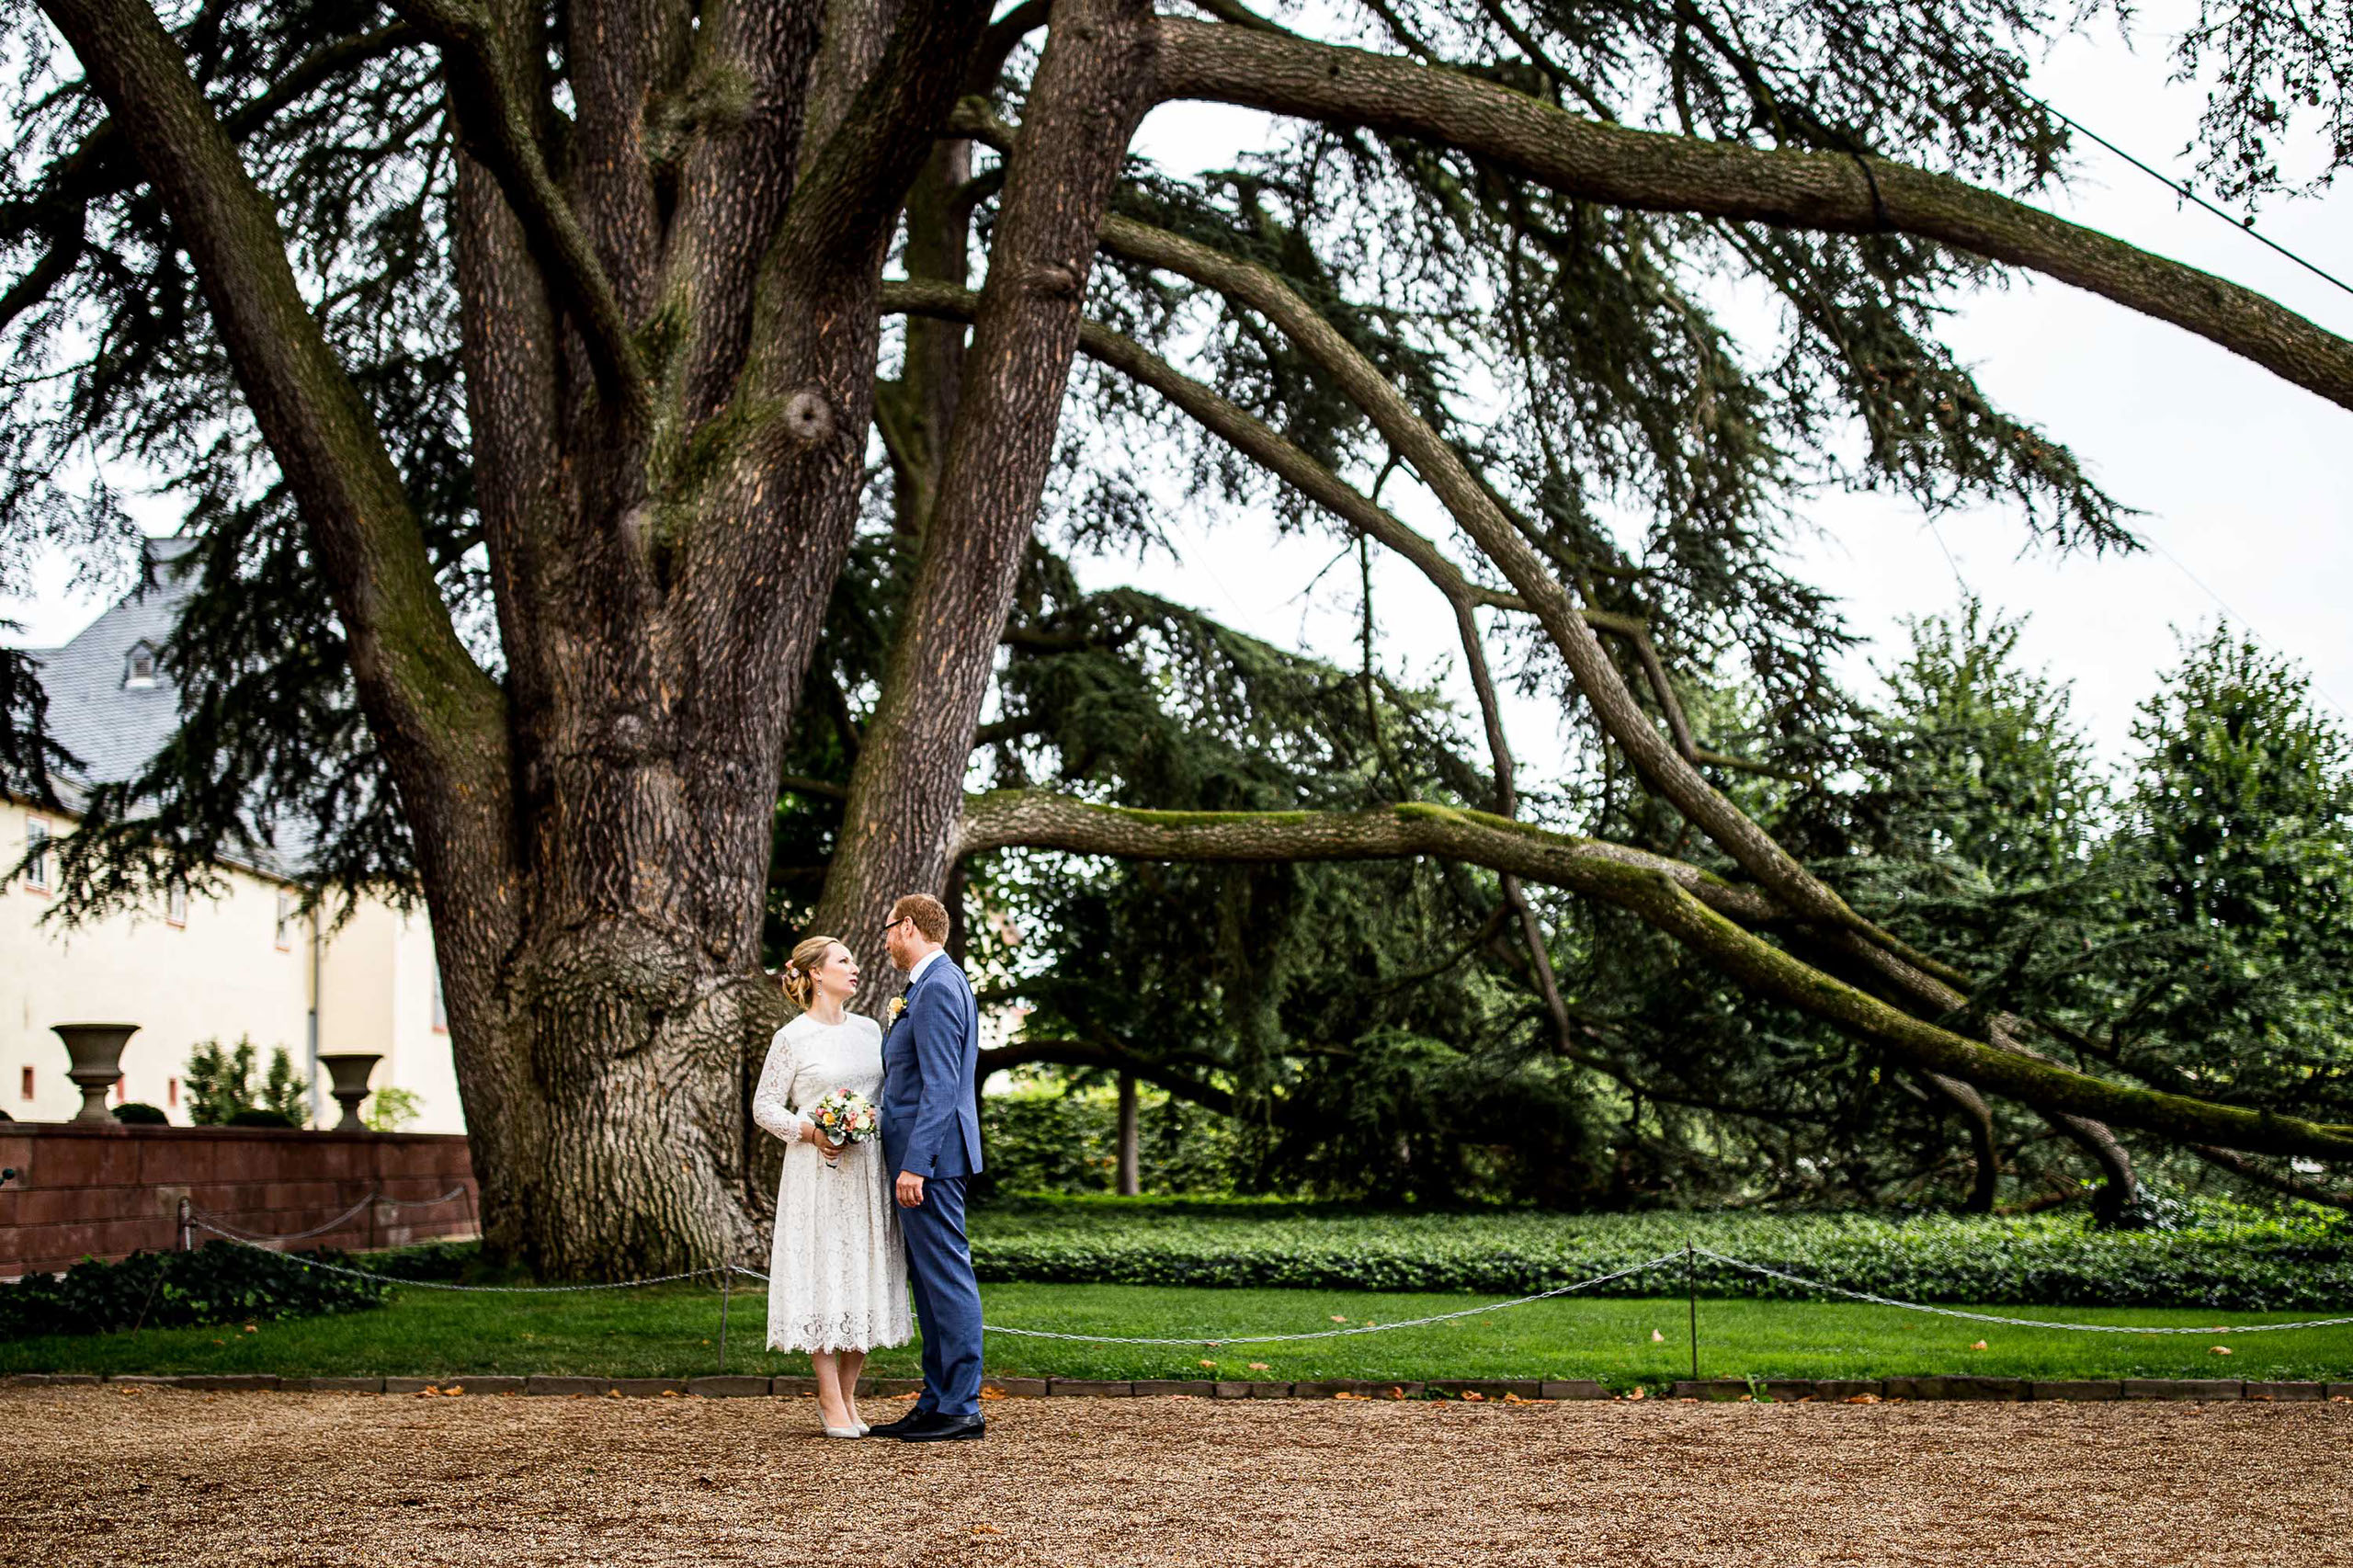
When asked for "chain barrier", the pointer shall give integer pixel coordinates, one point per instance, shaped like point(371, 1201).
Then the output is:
point(446, 1285)
point(218, 1223)
point(1787, 1277)
point(1353, 1328)
point(726, 1271)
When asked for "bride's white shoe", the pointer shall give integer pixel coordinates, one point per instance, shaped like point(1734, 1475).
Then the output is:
point(845, 1431)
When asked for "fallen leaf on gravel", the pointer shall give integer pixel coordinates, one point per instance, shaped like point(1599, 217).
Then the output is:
point(1636, 1393)
point(1862, 1399)
point(667, 1393)
point(1395, 1392)
point(986, 1529)
point(1344, 1393)
point(453, 1390)
point(1473, 1395)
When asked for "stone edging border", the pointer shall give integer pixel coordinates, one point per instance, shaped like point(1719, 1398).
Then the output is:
point(1473, 1389)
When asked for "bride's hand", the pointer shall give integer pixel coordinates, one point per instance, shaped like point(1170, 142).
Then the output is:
point(825, 1145)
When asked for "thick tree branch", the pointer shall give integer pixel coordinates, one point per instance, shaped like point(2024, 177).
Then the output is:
point(1653, 890)
point(403, 645)
point(498, 114)
point(1092, 86)
point(1653, 171)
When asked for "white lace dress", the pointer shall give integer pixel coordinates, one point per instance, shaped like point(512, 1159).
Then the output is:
point(837, 1271)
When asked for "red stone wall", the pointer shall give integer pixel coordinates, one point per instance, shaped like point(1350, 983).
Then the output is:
point(92, 1190)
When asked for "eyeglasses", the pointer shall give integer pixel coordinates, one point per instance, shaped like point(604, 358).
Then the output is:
point(902, 920)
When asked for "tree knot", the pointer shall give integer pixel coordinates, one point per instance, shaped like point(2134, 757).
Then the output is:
point(1055, 279)
point(809, 417)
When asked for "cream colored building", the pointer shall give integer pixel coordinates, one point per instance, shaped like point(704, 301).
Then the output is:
point(241, 961)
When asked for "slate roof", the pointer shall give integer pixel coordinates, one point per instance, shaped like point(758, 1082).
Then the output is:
point(113, 726)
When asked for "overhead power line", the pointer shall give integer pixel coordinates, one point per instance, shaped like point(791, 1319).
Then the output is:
point(2244, 225)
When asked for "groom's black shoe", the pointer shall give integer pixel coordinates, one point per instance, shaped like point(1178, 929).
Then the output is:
point(938, 1428)
point(899, 1428)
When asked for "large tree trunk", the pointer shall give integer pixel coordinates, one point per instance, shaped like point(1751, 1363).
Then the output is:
point(664, 514)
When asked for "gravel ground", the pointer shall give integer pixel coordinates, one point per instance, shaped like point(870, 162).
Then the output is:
point(100, 1475)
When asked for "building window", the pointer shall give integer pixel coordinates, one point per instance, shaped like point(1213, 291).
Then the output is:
point(26, 1092)
point(285, 921)
point(139, 668)
point(176, 905)
point(37, 856)
point(440, 1008)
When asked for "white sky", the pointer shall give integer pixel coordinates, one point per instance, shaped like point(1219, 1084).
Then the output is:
point(2234, 469)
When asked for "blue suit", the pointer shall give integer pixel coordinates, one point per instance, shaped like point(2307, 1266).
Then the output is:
point(931, 1127)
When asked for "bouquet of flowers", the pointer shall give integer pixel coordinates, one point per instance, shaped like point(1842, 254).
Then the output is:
point(846, 1117)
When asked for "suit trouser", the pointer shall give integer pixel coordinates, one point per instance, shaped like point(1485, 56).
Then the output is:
point(948, 1298)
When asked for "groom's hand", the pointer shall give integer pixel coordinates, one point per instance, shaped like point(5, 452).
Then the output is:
point(910, 1190)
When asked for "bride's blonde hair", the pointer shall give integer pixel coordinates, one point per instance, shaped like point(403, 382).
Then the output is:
point(800, 969)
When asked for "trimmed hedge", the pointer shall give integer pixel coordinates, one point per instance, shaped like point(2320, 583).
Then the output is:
point(216, 1283)
point(2217, 1255)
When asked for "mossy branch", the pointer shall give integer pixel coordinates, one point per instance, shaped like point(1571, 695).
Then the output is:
point(1705, 915)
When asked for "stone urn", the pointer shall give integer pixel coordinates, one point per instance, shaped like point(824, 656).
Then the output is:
point(97, 1052)
point(349, 1072)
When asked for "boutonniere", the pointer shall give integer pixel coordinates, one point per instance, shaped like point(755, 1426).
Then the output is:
point(898, 1005)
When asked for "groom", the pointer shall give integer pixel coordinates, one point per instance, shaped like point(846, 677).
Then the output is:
point(931, 1137)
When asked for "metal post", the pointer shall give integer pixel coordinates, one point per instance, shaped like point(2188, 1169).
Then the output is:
point(1691, 1286)
point(726, 1290)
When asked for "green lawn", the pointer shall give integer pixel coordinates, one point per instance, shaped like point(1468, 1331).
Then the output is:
point(672, 1331)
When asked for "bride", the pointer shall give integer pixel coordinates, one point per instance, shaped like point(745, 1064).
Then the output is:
point(838, 1273)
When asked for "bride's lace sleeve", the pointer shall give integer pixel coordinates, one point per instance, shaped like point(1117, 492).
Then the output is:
point(769, 1106)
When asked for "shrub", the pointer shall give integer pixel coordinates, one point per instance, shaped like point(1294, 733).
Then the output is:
point(216, 1283)
point(138, 1113)
point(220, 1086)
point(2222, 1255)
point(390, 1108)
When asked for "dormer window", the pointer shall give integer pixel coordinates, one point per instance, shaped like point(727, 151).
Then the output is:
point(139, 667)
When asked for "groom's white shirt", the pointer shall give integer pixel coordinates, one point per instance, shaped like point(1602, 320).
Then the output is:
point(923, 964)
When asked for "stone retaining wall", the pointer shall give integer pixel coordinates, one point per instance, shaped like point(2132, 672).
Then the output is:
point(1497, 1390)
point(94, 1190)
